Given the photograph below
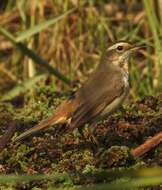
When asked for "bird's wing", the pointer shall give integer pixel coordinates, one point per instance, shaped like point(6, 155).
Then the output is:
point(99, 91)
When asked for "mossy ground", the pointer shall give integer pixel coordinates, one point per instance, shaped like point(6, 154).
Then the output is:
point(77, 152)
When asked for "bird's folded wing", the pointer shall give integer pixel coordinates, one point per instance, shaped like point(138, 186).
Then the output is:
point(96, 95)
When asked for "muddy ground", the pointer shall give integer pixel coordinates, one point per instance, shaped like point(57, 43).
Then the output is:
point(106, 145)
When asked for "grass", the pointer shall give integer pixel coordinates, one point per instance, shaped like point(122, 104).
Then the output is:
point(67, 38)
point(86, 39)
point(155, 25)
point(139, 178)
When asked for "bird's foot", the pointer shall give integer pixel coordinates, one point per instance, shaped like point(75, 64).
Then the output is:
point(88, 135)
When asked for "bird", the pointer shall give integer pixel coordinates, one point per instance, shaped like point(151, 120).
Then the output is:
point(103, 92)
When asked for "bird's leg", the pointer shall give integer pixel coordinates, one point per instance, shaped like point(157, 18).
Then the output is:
point(121, 110)
point(77, 132)
point(88, 134)
point(85, 133)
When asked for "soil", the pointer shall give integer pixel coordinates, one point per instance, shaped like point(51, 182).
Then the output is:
point(105, 145)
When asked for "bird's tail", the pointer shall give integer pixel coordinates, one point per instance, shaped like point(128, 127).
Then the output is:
point(62, 115)
point(40, 126)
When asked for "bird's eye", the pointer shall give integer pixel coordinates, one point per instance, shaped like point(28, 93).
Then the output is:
point(120, 48)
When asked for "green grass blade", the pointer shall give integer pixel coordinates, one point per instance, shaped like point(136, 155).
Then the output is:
point(128, 184)
point(35, 57)
point(19, 178)
point(153, 22)
point(36, 29)
point(155, 27)
point(22, 87)
point(130, 179)
point(8, 35)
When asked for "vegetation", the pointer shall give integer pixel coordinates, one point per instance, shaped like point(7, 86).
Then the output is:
point(48, 49)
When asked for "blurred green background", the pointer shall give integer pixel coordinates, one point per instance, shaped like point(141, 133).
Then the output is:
point(70, 36)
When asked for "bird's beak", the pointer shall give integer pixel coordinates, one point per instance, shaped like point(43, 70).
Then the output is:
point(137, 47)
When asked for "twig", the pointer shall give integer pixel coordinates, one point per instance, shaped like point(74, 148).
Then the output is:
point(147, 145)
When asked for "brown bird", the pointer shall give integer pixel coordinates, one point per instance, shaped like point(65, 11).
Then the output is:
point(99, 96)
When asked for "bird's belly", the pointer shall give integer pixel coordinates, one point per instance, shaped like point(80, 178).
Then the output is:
point(115, 104)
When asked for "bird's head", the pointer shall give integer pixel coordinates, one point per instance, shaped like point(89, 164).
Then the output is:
point(119, 54)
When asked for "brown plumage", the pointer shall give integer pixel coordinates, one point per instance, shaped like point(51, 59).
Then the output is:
point(101, 94)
